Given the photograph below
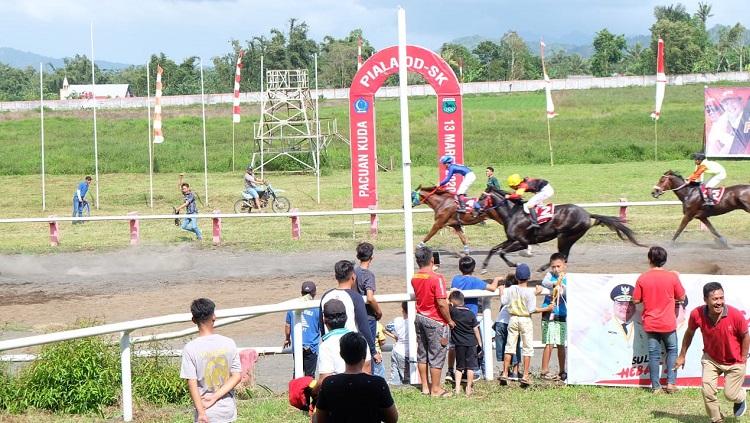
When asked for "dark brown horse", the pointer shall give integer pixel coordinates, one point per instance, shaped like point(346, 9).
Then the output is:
point(444, 204)
point(735, 197)
point(568, 225)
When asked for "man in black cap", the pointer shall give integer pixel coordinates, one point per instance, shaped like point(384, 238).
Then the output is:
point(330, 361)
point(310, 330)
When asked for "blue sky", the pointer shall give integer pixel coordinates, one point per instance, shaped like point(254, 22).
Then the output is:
point(128, 31)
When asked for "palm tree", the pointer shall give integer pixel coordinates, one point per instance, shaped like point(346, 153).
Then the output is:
point(703, 12)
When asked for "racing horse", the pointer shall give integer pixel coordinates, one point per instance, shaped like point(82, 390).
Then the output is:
point(735, 197)
point(446, 214)
point(568, 225)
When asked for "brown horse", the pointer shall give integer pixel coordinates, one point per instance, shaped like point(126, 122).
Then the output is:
point(735, 197)
point(568, 225)
point(444, 204)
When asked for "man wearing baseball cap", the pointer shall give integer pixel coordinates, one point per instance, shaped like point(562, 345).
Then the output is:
point(310, 330)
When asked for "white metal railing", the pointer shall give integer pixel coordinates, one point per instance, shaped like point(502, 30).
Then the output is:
point(295, 214)
point(226, 316)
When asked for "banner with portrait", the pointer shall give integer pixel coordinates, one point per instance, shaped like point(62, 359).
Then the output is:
point(606, 341)
point(727, 127)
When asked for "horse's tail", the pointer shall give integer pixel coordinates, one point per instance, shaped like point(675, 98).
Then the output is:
point(614, 224)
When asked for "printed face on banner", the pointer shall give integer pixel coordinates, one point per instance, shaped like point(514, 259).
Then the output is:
point(607, 344)
point(727, 114)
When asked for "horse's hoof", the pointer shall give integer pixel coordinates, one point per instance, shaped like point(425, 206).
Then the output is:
point(723, 243)
point(526, 253)
point(483, 271)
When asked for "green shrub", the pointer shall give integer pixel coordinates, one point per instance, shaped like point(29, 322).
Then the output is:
point(157, 380)
point(77, 376)
point(7, 389)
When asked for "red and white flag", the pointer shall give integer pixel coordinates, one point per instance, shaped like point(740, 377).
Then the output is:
point(158, 135)
point(661, 80)
point(236, 103)
point(359, 52)
point(547, 85)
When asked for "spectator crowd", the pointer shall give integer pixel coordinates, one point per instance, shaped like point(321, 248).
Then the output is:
point(342, 339)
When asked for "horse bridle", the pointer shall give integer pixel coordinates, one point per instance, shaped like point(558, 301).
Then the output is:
point(423, 198)
point(672, 189)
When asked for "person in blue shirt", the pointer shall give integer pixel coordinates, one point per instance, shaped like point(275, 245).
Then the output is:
point(458, 169)
point(554, 316)
point(189, 224)
point(465, 281)
point(310, 331)
point(79, 196)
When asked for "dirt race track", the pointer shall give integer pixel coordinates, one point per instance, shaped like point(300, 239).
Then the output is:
point(50, 292)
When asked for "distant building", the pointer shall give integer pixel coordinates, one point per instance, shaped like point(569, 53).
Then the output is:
point(100, 91)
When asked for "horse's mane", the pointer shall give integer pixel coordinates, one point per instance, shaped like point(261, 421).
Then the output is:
point(497, 191)
point(438, 190)
point(671, 172)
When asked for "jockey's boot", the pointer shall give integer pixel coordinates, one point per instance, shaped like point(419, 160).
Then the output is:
point(708, 198)
point(461, 203)
point(534, 222)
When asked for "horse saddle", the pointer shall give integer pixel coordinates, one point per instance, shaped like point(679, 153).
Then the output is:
point(480, 203)
point(544, 212)
point(716, 193)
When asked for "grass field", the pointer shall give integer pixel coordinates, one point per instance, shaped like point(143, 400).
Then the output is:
point(490, 403)
point(594, 126)
point(122, 193)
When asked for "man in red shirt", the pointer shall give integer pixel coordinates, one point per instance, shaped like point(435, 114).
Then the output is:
point(725, 347)
point(432, 322)
point(658, 289)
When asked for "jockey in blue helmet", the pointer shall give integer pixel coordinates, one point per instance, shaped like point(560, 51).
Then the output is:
point(469, 178)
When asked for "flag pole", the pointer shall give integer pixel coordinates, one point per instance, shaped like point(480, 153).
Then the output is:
point(406, 167)
point(549, 139)
point(262, 111)
point(317, 130)
point(656, 140)
point(41, 131)
point(205, 156)
point(93, 98)
point(150, 145)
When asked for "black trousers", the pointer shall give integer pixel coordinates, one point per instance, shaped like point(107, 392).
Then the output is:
point(309, 362)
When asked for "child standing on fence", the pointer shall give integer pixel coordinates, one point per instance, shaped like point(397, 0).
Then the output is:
point(465, 336)
point(211, 366)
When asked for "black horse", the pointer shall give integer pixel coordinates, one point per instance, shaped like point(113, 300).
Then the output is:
point(569, 224)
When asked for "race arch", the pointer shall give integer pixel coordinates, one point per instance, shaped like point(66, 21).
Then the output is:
point(368, 79)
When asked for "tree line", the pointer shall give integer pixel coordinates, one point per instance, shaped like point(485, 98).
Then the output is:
point(689, 48)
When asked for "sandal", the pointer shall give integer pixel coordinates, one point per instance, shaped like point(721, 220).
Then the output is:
point(503, 380)
point(524, 383)
point(444, 394)
point(547, 376)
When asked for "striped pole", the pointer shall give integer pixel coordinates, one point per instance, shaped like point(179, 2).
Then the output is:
point(236, 102)
point(158, 135)
point(359, 52)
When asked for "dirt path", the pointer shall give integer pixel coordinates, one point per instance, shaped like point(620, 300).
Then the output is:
point(50, 292)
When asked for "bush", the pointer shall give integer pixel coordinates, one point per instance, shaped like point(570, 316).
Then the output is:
point(7, 390)
point(157, 380)
point(77, 376)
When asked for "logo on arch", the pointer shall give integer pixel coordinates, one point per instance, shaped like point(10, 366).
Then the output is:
point(361, 105)
point(449, 105)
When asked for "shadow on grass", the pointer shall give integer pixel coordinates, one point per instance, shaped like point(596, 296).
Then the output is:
point(340, 234)
point(683, 418)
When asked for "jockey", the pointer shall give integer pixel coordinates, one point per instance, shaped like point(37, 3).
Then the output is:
point(709, 167)
point(542, 191)
point(469, 178)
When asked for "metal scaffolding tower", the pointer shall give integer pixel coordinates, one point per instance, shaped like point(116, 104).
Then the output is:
point(288, 125)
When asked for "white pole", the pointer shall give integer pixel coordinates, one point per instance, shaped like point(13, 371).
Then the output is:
point(41, 130)
point(93, 98)
point(150, 145)
point(406, 168)
point(317, 130)
point(299, 369)
point(205, 156)
point(127, 391)
point(262, 117)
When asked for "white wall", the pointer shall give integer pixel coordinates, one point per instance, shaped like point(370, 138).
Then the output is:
point(414, 90)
